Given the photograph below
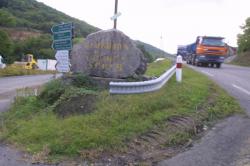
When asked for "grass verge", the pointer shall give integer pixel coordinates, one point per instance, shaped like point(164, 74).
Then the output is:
point(116, 119)
point(158, 68)
point(16, 70)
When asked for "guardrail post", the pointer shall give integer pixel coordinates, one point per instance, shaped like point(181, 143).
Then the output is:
point(179, 68)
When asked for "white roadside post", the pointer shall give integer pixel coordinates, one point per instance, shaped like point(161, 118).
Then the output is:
point(179, 68)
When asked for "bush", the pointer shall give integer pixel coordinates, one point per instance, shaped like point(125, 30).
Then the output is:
point(244, 39)
point(146, 54)
point(52, 91)
point(40, 47)
point(6, 46)
point(81, 80)
point(7, 19)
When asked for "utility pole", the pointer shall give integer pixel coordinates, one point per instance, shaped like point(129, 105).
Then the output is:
point(116, 8)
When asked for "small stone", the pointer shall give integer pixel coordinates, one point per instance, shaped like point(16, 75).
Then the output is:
point(205, 127)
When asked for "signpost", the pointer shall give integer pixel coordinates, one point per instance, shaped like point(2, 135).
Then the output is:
point(114, 17)
point(62, 68)
point(62, 43)
point(62, 35)
point(63, 64)
point(62, 27)
point(62, 55)
point(115, 14)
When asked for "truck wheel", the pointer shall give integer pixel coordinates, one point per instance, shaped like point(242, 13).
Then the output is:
point(218, 65)
point(193, 62)
point(196, 63)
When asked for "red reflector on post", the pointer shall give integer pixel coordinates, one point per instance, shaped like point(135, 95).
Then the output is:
point(178, 65)
point(178, 68)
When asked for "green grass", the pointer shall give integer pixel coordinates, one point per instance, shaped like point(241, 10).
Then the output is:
point(158, 68)
point(117, 118)
point(17, 70)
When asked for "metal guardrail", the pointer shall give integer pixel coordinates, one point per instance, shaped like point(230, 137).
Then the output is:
point(143, 86)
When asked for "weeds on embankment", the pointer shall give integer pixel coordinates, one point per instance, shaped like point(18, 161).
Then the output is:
point(116, 120)
point(17, 70)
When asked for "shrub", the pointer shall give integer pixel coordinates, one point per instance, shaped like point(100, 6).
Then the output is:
point(52, 91)
point(6, 46)
point(81, 80)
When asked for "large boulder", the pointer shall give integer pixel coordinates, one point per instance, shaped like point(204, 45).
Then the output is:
point(108, 54)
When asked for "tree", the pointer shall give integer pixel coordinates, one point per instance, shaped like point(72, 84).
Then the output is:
point(7, 19)
point(40, 46)
point(244, 39)
point(6, 46)
point(147, 55)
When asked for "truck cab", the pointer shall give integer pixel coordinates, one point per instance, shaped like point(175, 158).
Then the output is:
point(209, 50)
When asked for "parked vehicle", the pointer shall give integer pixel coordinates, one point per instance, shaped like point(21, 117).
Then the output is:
point(28, 62)
point(207, 50)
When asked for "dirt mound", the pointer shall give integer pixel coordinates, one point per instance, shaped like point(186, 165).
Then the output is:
point(82, 104)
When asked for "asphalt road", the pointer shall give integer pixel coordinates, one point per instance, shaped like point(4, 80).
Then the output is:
point(228, 143)
point(9, 156)
point(9, 85)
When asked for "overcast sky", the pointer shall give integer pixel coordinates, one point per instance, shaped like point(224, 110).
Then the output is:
point(177, 21)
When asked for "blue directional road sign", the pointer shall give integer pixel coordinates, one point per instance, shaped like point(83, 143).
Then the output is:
point(62, 27)
point(62, 44)
point(62, 35)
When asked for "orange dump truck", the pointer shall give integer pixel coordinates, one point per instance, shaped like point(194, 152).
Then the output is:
point(206, 51)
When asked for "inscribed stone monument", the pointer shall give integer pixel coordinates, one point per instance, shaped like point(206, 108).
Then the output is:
point(108, 54)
